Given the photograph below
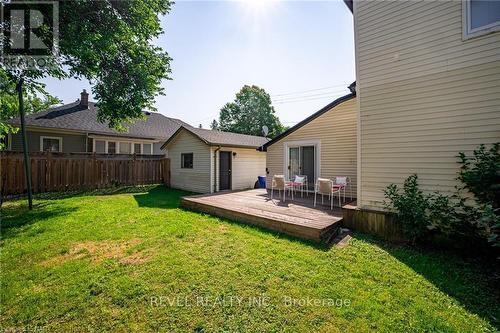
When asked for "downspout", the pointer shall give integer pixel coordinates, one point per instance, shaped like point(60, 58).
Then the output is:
point(215, 168)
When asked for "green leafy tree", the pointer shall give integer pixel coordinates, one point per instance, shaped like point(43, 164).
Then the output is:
point(250, 111)
point(109, 43)
point(35, 101)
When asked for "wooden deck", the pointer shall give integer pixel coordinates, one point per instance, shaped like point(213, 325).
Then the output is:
point(296, 217)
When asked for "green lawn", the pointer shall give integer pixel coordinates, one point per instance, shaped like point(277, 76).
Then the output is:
point(136, 262)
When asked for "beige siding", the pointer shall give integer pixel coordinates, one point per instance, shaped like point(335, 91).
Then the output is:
point(196, 179)
point(335, 131)
point(424, 93)
point(246, 166)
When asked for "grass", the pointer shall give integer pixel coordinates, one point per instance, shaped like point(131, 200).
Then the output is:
point(136, 262)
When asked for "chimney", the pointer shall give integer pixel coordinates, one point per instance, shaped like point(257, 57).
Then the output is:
point(84, 100)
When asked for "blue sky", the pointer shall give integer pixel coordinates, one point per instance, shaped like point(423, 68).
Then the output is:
point(300, 52)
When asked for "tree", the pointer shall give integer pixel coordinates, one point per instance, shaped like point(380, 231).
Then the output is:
point(250, 111)
point(35, 101)
point(108, 42)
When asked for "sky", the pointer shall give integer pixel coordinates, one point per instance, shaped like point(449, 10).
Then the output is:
point(300, 52)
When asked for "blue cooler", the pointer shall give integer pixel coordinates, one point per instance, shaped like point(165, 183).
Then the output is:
point(262, 181)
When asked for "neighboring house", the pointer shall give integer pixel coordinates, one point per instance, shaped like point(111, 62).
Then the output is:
point(428, 86)
point(207, 161)
point(322, 145)
point(74, 128)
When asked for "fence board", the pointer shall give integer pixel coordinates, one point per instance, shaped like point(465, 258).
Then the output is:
point(80, 171)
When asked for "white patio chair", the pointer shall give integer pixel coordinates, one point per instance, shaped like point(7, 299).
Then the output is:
point(280, 184)
point(300, 182)
point(342, 182)
point(324, 186)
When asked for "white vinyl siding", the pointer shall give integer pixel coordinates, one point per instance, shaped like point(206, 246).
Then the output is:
point(246, 166)
point(335, 131)
point(424, 93)
point(198, 178)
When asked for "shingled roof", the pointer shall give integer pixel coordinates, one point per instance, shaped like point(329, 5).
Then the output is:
point(78, 117)
point(220, 138)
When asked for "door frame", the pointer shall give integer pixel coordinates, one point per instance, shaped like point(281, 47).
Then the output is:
point(230, 153)
point(317, 155)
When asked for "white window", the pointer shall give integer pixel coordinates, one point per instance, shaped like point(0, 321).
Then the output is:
point(111, 147)
point(480, 17)
point(51, 143)
point(100, 146)
point(137, 148)
point(187, 160)
point(147, 149)
point(125, 148)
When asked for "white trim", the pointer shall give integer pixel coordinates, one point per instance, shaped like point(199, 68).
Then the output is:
point(297, 143)
point(50, 129)
point(358, 108)
point(212, 180)
point(116, 146)
point(54, 138)
point(467, 31)
point(123, 139)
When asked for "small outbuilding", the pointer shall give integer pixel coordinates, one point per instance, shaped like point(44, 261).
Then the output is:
point(207, 161)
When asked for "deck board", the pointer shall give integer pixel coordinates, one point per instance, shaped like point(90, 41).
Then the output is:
point(295, 217)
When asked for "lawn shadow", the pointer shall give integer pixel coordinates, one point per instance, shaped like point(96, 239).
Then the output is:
point(471, 282)
point(125, 189)
point(160, 197)
point(15, 218)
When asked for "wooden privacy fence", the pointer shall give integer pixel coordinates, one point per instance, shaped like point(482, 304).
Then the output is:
point(80, 171)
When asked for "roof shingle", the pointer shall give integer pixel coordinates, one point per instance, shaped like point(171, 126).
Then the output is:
point(213, 137)
point(74, 116)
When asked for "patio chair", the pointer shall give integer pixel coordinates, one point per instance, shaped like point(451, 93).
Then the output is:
point(325, 186)
point(341, 182)
point(279, 183)
point(300, 182)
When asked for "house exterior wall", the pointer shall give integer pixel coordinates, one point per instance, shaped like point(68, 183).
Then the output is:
point(157, 148)
point(198, 178)
point(71, 143)
point(246, 166)
point(424, 93)
point(335, 130)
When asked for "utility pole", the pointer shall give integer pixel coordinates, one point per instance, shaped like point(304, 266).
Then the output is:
point(27, 167)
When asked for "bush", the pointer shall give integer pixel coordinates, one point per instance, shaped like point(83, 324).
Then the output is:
point(460, 216)
point(410, 206)
point(480, 174)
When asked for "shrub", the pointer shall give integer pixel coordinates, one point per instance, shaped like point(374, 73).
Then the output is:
point(459, 216)
point(410, 207)
point(480, 174)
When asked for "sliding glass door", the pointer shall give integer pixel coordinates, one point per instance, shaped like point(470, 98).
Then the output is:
point(302, 161)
